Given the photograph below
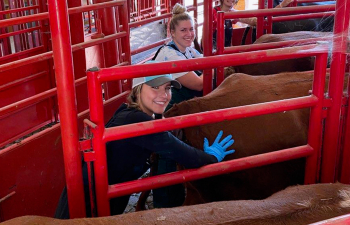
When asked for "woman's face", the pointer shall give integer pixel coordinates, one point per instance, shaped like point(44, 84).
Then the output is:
point(154, 99)
point(229, 3)
point(184, 34)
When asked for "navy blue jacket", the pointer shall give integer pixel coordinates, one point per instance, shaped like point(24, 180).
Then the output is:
point(127, 159)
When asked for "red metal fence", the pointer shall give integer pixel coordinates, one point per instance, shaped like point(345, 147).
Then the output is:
point(29, 98)
point(101, 135)
point(29, 101)
point(335, 146)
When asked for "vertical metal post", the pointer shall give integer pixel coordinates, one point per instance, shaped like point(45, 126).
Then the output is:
point(345, 164)
point(260, 21)
point(195, 15)
point(125, 41)
point(100, 164)
point(268, 26)
point(337, 70)
point(220, 39)
point(108, 22)
point(79, 62)
point(315, 124)
point(207, 44)
point(62, 52)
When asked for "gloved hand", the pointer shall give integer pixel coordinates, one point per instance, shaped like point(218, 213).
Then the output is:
point(218, 149)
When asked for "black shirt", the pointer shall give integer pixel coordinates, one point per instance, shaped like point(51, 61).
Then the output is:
point(127, 158)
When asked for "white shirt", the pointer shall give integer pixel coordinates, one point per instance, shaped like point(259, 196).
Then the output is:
point(168, 53)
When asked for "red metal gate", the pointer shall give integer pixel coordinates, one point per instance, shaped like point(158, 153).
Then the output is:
point(101, 135)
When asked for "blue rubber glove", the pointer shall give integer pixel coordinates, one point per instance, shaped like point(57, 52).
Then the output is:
point(218, 149)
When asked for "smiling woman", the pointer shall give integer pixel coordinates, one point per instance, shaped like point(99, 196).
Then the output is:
point(128, 159)
point(182, 33)
point(179, 48)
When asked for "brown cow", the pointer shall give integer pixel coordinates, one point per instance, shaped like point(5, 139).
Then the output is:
point(290, 65)
point(296, 205)
point(255, 135)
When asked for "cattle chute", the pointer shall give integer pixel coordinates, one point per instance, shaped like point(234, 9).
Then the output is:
point(102, 135)
point(47, 96)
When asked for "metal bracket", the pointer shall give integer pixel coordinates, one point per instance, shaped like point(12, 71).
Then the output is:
point(89, 156)
point(327, 102)
point(85, 145)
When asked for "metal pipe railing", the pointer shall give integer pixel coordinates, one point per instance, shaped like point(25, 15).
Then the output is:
point(64, 74)
point(302, 16)
point(44, 16)
point(4, 12)
point(102, 135)
point(272, 45)
point(215, 116)
point(337, 72)
point(207, 40)
point(145, 48)
point(214, 61)
point(136, 186)
point(315, 123)
point(19, 32)
point(49, 55)
point(19, 105)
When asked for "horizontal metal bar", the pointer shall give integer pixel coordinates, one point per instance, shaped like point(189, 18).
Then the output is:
point(21, 81)
point(210, 62)
point(145, 48)
point(302, 16)
point(17, 106)
point(271, 45)
point(230, 166)
point(18, 10)
point(44, 16)
point(278, 11)
point(94, 42)
point(19, 32)
point(215, 116)
point(89, 123)
point(49, 55)
point(96, 6)
point(146, 21)
point(18, 54)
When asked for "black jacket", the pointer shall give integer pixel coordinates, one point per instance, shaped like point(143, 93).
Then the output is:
point(127, 159)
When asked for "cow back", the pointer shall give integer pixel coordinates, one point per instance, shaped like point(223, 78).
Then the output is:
point(254, 135)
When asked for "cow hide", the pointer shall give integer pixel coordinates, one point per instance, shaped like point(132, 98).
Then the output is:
point(254, 135)
point(296, 205)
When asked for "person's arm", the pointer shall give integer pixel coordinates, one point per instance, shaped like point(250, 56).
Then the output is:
point(250, 21)
point(189, 80)
point(284, 3)
point(168, 145)
point(192, 81)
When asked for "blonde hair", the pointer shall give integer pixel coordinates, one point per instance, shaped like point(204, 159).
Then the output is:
point(133, 97)
point(179, 14)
